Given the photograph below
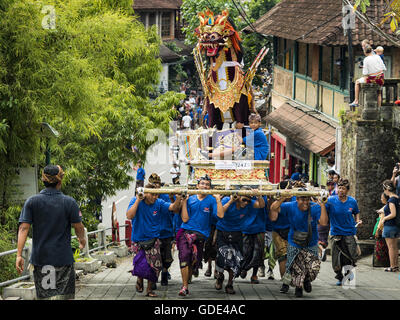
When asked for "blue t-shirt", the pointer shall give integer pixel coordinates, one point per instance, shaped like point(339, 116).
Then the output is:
point(386, 210)
point(299, 220)
point(147, 221)
point(200, 214)
point(282, 222)
point(199, 111)
point(140, 174)
point(269, 225)
point(206, 120)
point(51, 214)
point(341, 215)
point(258, 141)
point(255, 221)
point(167, 220)
point(177, 220)
point(295, 176)
point(233, 217)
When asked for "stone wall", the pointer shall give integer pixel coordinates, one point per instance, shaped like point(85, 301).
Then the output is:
point(370, 148)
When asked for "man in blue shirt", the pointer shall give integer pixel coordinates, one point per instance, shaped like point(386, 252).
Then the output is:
point(303, 263)
point(280, 231)
point(147, 212)
point(229, 237)
point(256, 140)
point(296, 176)
point(166, 231)
point(254, 241)
point(343, 216)
point(197, 212)
point(140, 175)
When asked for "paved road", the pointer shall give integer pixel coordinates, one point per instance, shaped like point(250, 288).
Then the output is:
point(158, 161)
point(117, 284)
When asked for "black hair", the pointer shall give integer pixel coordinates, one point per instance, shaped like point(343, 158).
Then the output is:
point(385, 196)
point(389, 186)
point(51, 170)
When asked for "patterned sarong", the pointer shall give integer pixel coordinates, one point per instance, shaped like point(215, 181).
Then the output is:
point(253, 250)
point(62, 289)
point(190, 248)
point(345, 251)
point(378, 79)
point(301, 264)
point(147, 263)
point(230, 252)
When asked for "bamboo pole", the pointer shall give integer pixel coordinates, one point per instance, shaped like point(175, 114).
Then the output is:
point(255, 192)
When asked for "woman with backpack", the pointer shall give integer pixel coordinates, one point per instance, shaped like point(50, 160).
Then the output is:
point(391, 224)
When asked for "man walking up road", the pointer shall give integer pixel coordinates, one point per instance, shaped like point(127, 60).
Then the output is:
point(51, 214)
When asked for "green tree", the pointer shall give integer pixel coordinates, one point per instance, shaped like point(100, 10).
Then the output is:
point(90, 78)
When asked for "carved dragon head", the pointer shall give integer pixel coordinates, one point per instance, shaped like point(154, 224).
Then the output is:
point(216, 33)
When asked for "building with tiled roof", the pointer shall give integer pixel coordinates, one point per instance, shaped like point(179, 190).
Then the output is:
point(165, 14)
point(311, 79)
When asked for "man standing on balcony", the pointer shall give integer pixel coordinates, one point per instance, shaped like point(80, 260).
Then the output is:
point(51, 213)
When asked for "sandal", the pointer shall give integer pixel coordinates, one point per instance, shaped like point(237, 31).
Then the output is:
point(139, 288)
point(229, 289)
point(390, 269)
point(151, 294)
point(207, 273)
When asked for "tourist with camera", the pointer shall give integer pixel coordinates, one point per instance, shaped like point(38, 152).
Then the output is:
point(396, 178)
point(391, 224)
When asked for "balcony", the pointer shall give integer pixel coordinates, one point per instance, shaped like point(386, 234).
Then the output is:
point(389, 111)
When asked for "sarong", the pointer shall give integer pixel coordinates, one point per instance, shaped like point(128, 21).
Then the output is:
point(253, 251)
point(166, 252)
point(301, 264)
point(378, 79)
point(323, 234)
point(269, 250)
point(210, 246)
point(63, 287)
point(381, 254)
point(147, 263)
point(345, 251)
point(229, 252)
point(190, 248)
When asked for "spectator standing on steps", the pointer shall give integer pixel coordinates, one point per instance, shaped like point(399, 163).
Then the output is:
point(51, 214)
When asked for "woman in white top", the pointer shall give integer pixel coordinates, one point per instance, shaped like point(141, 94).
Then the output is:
point(372, 73)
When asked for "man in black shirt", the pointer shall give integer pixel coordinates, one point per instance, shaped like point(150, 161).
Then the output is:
point(51, 214)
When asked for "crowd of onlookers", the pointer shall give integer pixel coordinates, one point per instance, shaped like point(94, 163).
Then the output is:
point(191, 112)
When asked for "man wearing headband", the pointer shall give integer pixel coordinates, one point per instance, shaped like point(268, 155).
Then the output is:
point(343, 216)
point(146, 212)
point(197, 213)
point(302, 264)
point(253, 229)
point(166, 231)
point(51, 213)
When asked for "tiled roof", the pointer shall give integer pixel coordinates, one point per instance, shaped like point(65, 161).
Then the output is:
point(315, 133)
point(167, 55)
point(318, 22)
point(156, 4)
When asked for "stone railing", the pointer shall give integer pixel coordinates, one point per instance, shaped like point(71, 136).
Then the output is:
point(369, 109)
